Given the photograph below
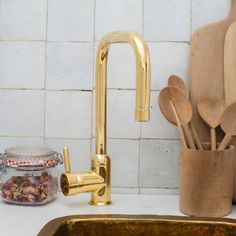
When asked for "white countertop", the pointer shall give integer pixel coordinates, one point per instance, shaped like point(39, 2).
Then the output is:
point(27, 220)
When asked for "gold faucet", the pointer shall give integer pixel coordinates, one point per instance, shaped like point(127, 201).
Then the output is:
point(97, 181)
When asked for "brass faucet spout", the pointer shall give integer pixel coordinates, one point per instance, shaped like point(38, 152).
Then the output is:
point(142, 81)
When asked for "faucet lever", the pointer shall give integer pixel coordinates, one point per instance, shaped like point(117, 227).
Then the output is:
point(66, 160)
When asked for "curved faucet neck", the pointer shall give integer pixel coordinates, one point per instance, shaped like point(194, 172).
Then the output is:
point(142, 81)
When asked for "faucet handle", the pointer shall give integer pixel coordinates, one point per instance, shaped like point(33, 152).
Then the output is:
point(66, 160)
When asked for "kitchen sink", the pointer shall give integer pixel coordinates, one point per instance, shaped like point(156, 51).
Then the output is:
point(133, 225)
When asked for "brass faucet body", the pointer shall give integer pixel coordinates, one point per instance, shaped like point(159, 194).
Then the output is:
point(97, 181)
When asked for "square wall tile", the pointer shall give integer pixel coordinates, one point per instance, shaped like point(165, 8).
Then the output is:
point(24, 19)
point(70, 20)
point(117, 15)
point(208, 11)
point(166, 59)
point(158, 126)
point(23, 112)
point(7, 142)
point(79, 150)
point(121, 70)
point(22, 65)
point(121, 67)
point(69, 66)
point(167, 20)
point(124, 156)
point(68, 114)
point(120, 115)
point(159, 163)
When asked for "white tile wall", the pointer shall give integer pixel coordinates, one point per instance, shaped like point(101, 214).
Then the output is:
point(163, 172)
point(47, 50)
point(113, 15)
point(68, 114)
point(6, 142)
point(22, 112)
point(70, 20)
point(210, 12)
point(69, 65)
point(125, 161)
point(158, 126)
point(23, 19)
point(121, 111)
point(22, 65)
point(167, 20)
point(168, 58)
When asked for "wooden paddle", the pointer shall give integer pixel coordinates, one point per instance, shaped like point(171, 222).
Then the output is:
point(206, 69)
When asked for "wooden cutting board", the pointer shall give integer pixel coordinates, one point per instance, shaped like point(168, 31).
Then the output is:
point(230, 75)
point(230, 64)
point(206, 69)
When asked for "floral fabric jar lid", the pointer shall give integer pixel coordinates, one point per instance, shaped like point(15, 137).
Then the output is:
point(31, 157)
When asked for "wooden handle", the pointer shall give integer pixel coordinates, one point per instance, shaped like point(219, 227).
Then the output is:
point(181, 134)
point(189, 136)
point(195, 137)
point(224, 142)
point(213, 139)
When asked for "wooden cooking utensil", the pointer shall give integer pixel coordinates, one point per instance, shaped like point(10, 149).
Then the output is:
point(181, 133)
point(211, 110)
point(228, 124)
point(207, 68)
point(182, 106)
point(176, 82)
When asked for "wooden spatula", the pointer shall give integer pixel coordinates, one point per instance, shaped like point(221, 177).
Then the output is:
point(211, 110)
point(207, 68)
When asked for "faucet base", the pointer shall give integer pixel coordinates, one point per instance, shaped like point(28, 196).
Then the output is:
point(99, 203)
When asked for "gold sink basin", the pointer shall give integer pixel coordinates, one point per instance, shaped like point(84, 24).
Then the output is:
point(133, 225)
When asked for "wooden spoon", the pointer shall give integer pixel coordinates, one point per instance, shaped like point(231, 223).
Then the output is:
point(176, 82)
point(211, 110)
point(228, 124)
point(182, 106)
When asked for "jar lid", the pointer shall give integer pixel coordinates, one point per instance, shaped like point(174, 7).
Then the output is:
point(31, 157)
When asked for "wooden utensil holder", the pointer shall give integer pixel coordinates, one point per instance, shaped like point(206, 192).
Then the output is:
point(206, 181)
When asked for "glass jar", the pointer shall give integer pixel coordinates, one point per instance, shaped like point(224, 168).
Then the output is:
point(29, 176)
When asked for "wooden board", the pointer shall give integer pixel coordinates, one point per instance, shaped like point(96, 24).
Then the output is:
point(230, 75)
point(230, 64)
point(206, 69)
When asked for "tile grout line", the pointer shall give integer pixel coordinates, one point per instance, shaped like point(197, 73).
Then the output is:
point(45, 72)
point(92, 92)
point(143, 18)
point(93, 41)
point(191, 20)
point(140, 126)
